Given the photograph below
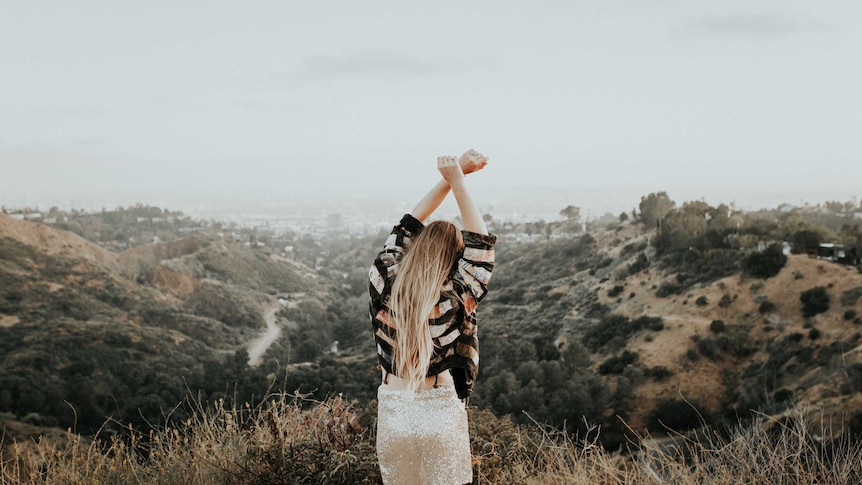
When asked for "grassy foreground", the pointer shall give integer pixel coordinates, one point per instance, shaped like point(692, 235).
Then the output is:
point(290, 440)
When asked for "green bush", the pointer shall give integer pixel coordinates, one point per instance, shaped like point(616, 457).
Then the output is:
point(675, 415)
point(851, 296)
point(619, 326)
point(766, 306)
point(618, 363)
point(658, 373)
point(667, 289)
point(814, 301)
point(805, 242)
point(641, 263)
point(765, 264)
point(708, 348)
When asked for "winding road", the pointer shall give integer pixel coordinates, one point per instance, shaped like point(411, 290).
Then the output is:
point(258, 346)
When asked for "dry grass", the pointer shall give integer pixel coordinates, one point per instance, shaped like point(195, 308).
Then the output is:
point(289, 440)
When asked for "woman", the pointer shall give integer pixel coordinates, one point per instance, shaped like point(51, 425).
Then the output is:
point(425, 286)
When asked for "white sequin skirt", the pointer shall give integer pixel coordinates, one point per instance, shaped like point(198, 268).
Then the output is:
point(422, 437)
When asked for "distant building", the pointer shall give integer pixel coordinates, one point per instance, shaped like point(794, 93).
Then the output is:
point(830, 252)
point(838, 253)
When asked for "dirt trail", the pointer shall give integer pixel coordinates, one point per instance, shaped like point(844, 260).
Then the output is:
point(259, 345)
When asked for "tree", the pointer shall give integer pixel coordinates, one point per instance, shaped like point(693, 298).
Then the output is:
point(623, 216)
point(571, 213)
point(654, 207)
point(765, 264)
point(850, 234)
point(805, 241)
point(834, 206)
point(680, 228)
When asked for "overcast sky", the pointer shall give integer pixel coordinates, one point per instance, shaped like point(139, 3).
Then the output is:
point(344, 98)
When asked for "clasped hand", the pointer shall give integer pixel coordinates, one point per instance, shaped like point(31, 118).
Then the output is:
point(454, 170)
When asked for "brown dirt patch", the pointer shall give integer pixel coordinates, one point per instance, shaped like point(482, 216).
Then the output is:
point(54, 241)
point(8, 320)
point(177, 284)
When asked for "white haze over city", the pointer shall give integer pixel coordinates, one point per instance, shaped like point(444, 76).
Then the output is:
point(200, 104)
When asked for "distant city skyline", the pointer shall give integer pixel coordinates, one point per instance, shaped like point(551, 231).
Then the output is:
point(510, 203)
point(326, 103)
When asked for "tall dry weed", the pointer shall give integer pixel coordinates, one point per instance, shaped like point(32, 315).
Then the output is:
point(288, 439)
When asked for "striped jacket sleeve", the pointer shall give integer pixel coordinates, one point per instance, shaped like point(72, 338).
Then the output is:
point(476, 262)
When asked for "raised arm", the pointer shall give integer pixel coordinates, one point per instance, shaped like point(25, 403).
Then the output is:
point(431, 201)
point(471, 161)
point(452, 173)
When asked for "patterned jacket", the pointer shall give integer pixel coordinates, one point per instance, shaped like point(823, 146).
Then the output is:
point(453, 320)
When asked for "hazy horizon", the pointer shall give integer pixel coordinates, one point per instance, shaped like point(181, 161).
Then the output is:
point(591, 104)
point(508, 203)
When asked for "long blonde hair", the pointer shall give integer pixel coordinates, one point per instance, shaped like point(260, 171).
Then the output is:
point(416, 290)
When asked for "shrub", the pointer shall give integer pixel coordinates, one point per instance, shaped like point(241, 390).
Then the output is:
point(854, 377)
point(765, 264)
point(725, 301)
point(814, 334)
point(659, 373)
point(620, 327)
point(632, 248)
point(649, 323)
point(676, 415)
point(766, 307)
point(735, 343)
point(849, 314)
point(615, 291)
point(814, 301)
point(854, 427)
point(708, 348)
point(717, 326)
point(851, 296)
point(618, 363)
point(640, 264)
point(782, 395)
point(794, 337)
point(667, 289)
point(701, 301)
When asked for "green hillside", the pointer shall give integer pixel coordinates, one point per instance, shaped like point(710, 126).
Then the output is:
point(663, 322)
